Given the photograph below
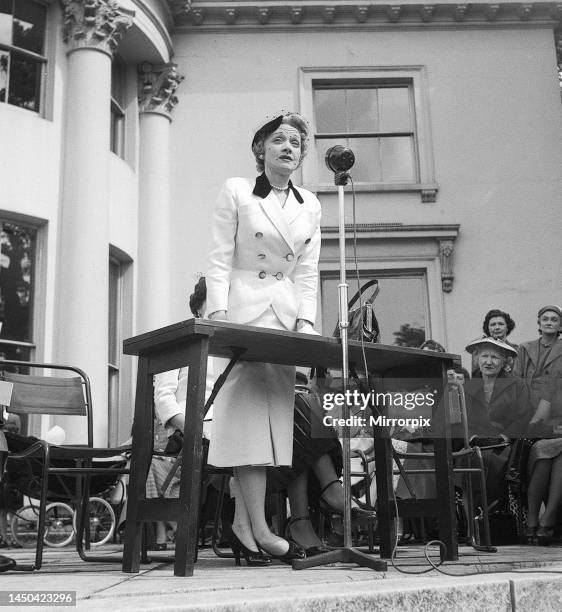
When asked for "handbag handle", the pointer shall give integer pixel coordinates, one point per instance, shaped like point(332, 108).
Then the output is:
point(362, 290)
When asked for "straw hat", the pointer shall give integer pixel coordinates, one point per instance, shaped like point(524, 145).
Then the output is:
point(471, 347)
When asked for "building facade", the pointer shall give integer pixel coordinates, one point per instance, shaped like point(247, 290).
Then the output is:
point(121, 119)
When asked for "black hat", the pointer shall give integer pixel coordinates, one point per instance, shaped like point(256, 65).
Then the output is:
point(267, 129)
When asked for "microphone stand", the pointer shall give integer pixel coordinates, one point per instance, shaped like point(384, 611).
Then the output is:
point(346, 553)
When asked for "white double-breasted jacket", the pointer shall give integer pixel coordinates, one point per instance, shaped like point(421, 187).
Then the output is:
point(262, 255)
point(263, 270)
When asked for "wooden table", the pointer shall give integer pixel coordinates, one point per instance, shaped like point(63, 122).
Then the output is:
point(190, 343)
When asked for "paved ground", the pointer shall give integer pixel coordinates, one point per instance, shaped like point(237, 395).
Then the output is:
point(520, 578)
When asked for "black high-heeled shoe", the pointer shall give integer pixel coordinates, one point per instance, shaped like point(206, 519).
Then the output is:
point(545, 535)
point(311, 551)
point(295, 552)
point(358, 513)
point(254, 558)
point(531, 536)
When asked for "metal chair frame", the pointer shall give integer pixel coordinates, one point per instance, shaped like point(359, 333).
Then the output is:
point(32, 394)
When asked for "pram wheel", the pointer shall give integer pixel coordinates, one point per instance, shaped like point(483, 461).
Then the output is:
point(24, 525)
point(102, 521)
point(58, 525)
point(59, 521)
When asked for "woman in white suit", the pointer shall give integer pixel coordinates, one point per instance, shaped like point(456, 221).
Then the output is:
point(263, 271)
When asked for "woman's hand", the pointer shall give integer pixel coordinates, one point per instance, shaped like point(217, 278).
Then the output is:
point(305, 327)
point(542, 412)
point(218, 315)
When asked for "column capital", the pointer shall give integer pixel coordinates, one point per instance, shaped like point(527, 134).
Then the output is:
point(95, 24)
point(157, 88)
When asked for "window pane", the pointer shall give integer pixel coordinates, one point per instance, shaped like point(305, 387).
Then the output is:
point(18, 353)
point(400, 306)
point(329, 108)
point(397, 157)
point(367, 168)
point(361, 107)
point(25, 82)
point(29, 25)
point(117, 132)
point(113, 344)
point(394, 109)
point(16, 282)
point(4, 67)
point(118, 82)
point(5, 26)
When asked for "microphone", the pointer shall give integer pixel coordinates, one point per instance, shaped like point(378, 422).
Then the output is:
point(339, 158)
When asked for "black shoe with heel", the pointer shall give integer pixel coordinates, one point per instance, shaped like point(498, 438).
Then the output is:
point(545, 535)
point(295, 552)
point(358, 513)
point(311, 551)
point(252, 557)
point(531, 536)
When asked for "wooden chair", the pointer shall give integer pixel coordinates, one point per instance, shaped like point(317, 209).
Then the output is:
point(59, 470)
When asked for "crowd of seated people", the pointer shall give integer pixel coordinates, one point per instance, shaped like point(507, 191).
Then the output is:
point(515, 394)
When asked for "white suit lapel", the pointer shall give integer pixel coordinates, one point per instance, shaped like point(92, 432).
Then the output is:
point(272, 209)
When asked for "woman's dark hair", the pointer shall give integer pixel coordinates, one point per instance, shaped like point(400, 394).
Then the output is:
point(198, 297)
point(498, 313)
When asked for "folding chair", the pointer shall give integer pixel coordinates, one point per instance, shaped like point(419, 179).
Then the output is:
point(54, 467)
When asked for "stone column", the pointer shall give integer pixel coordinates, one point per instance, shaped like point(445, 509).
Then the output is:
point(92, 31)
point(157, 86)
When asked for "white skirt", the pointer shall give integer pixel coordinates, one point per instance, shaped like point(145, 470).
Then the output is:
point(253, 411)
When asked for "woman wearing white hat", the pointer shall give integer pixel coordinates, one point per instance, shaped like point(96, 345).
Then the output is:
point(498, 409)
point(263, 271)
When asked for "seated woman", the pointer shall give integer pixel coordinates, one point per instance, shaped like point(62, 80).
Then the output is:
point(498, 409)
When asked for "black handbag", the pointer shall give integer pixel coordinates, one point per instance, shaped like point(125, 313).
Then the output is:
point(363, 322)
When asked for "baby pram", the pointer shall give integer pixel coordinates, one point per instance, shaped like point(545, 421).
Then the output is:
point(58, 474)
point(63, 495)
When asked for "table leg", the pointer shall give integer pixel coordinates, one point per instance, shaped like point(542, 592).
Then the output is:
point(190, 482)
point(140, 464)
point(385, 495)
point(444, 478)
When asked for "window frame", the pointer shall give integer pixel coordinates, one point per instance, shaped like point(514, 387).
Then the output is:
point(42, 61)
point(118, 115)
point(368, 272)
point(381, 249)
point(416, 77)
point(120, 372)
point(39, 281)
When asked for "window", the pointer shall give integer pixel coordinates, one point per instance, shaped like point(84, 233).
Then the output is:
point(413, 269)
point(119, 327)
point(376, 121)
point(382, 114)
point(22, 60)
point(114, 339)
point(401, 306)
point(17, 263)
point(117, 135)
